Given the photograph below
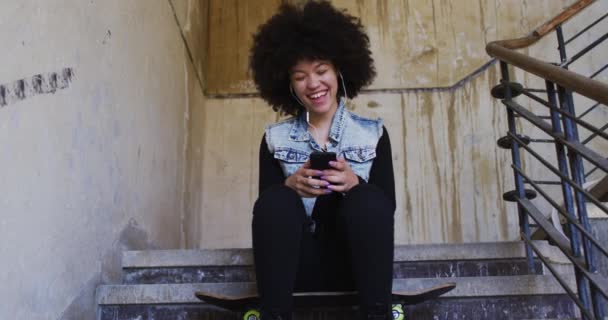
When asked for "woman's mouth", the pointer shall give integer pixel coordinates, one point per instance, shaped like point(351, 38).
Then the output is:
point(318, 96)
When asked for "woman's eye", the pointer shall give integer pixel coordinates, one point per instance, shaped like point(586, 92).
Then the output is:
point(322, 71)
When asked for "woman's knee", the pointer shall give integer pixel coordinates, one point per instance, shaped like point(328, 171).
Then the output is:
point(278, 202)
point(368, 197)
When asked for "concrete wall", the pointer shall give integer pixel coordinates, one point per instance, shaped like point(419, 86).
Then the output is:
point(433, 91)
point(94, 162)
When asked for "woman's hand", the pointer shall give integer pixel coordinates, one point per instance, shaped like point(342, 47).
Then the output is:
point(305, 185)
point(341, 177)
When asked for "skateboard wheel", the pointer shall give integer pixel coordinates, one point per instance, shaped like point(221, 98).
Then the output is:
point(398, 312)
point(252, 315)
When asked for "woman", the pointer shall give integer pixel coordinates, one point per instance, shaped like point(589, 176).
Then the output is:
point(320, 230)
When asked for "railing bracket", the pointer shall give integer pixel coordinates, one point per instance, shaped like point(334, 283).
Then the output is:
point(511, 196)
point(506, 142)
point(500, 91)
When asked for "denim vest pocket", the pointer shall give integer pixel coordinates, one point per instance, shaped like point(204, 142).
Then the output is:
point(290, 155)
point(359, 158)
point(290, 159)
point(360, 154)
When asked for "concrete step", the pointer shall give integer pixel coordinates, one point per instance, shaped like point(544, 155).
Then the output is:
point(507, 297)
point(493, 283)
point(505, 308)
point(414, 261)
point(401, 270)
point(419, 252)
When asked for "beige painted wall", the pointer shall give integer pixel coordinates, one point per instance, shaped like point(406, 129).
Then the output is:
point(97, 167)
point(450, 174)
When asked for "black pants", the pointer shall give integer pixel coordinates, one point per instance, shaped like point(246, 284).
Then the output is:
point(350, 249)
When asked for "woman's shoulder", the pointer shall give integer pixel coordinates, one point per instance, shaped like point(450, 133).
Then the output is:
point(360, 118)
point(367, 123)
point(279, 129)
point(282, 123)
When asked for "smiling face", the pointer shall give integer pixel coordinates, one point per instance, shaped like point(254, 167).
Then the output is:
point(315, 83)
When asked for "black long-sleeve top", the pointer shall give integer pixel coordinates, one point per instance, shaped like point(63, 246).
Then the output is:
point(381, 173)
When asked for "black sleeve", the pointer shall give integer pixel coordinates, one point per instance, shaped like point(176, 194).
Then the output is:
point(381, 173)
point(270, 169)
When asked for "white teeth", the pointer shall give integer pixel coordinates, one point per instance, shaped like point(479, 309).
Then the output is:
point(318, 95)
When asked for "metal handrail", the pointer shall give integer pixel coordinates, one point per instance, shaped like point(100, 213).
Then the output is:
point(589, 88)
point(546, 27)
point(505, 50)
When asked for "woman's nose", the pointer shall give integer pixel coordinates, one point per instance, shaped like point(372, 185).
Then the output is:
point(313, 82)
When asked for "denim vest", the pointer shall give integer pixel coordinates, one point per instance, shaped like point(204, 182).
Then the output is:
point(351, 136)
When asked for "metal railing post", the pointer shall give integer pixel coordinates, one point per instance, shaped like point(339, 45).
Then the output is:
point(578, 176)
point(524, 223)
point(577, 173)
point(575, 237)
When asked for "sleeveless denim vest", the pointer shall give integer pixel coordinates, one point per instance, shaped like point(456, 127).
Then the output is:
point(351, 136)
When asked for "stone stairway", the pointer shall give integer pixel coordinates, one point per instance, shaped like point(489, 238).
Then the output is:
point(492, 283)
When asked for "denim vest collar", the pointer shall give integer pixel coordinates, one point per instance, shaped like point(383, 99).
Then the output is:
point(299, 131)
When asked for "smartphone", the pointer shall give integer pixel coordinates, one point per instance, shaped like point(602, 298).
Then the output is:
point(320, 160)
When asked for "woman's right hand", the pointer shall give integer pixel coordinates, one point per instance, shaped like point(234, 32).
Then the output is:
point(305, 185)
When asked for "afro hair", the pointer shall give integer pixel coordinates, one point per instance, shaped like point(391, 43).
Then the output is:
point(316, 31)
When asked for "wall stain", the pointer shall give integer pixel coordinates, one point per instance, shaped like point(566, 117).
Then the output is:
point(437, 66)
point(428, 110)
point(373, 104)
point(383, 18)
point(107, 37)
point(442, 171)
point(2, 96)
point(456, 234)
point(35, 85)
point(475, 155)
point(408, 198)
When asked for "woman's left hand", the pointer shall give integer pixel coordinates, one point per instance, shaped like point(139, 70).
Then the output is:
point(341, 177)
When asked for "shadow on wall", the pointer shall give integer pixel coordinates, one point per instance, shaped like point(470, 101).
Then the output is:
point(132, 237)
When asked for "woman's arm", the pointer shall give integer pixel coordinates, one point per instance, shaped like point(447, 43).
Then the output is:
point(381, 173)
point(270, 169)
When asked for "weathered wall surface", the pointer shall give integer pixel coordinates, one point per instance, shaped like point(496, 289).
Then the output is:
point(450, 174)
point(231, 23)
point(192, 21)
point(416, 44)
point(92, 159)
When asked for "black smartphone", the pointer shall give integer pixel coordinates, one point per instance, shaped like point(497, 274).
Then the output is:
point(320, 160)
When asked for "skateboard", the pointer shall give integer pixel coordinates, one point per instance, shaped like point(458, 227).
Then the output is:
point(248, 304)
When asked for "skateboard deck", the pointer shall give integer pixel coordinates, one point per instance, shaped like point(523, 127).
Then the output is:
point(319, 299)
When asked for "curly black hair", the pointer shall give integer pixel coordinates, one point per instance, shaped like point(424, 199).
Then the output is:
point(315, 31)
